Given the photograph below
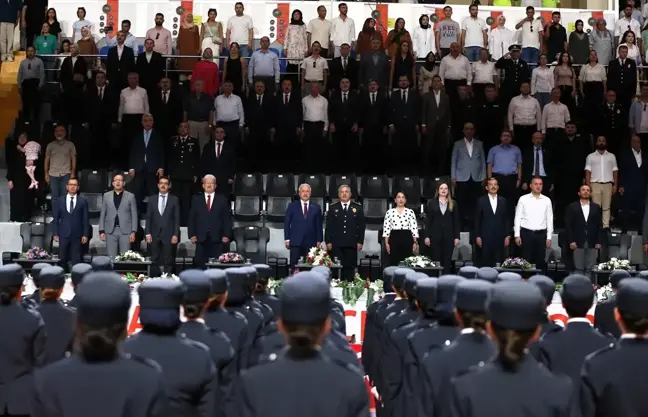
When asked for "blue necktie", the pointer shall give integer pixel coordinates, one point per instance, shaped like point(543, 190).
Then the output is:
point(71, 204)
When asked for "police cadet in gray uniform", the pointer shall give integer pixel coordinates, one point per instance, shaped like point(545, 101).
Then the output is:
point(197, 293)
point(35, 274)
point(22, 349)
point(77, 274)
point(97, 380)
point(190, 376)
point(471, 347)
point(512, 383)
point(60, 321)
point(302, 380)
point(613, 382)
point(232, 323)
point(264, 273)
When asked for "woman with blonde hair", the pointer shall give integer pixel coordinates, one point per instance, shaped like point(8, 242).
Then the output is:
point(443, 226)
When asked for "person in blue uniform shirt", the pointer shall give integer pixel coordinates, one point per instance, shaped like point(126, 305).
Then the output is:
point(190, 377)
point(23, 348)
point(97, 380)
point(232, 323)
point(35, 275)
point(196, 296)
point(470, 348)
point(308, 379)
point(604, 319)
point(302, 225)
point(612, 382)
point(101, 263)
point(60, 321)
point(77, 274)
point(261, 294)
point(512, 383)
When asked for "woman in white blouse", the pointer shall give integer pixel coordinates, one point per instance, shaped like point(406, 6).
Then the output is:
point(593, 79)
point(542, 82)
point(400, 231)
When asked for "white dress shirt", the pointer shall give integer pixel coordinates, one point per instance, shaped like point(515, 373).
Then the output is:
point(643, 126)
point(228, 109)
point(342, 31)
point(133, 101)
point(524, 111)
point(163, 200)
point(493, 202)
point(67, 202)
point(455, 68)
point(542, 80)
point(315, 109)
point(554, 115)
point(533, 213)
point(601, 166)
point(484, 72)
point(637, 156)
point(594, 73)
point(211, 198)
point(320, 31)
point(474, 28)
point(586, 210)
point(469, 146)
point(624, 24)
point(437, 97)
point(148, 56)
point(120, 50)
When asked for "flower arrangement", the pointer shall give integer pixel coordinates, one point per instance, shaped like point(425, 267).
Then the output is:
point(318, 256)
point(604, 293)
point(35, 254)
point(516, 263)
point(231, 258)
point(130, 256)
point(132, 278)
point(274, 285)
point(419, 262)
point(613, 264)
point(354, 289)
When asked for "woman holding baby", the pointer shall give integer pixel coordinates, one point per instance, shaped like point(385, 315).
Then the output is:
point(24, 174)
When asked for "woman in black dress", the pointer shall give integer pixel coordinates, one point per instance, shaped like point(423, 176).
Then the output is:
point(402, 64)
point(235, 69)
point(443, 227)
point(400, 231)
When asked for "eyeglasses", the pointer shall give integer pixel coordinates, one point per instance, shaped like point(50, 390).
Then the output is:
point(157, 36)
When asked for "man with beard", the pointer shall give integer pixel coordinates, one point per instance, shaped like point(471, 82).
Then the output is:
point(602, 175)
point(161, 36)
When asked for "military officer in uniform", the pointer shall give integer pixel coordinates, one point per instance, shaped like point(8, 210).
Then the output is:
point(261, 294)
point(488, 118)
point(511, 383)
point(604, 319)
point(197, 293)
point(189, 374)
point(77, 274)
point(515, 71)
point(184, 163)
point(60, 321)
point(35, 275)
point(308, 378)
point(23, 347)
point(611, 122)
point(345, 231)
point(612, 382)
point(97, 380)
point(470, 348)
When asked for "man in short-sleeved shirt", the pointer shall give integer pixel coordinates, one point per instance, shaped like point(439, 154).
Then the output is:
point(532, 32)
point(474, 34)
point(240, 29)
point(60, 162)
point(319, 30)
point(447, 31)
point(504, 162)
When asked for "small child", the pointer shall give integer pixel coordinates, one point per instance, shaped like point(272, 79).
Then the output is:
point(31, 151)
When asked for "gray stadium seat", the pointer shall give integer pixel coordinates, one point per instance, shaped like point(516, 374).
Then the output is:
point(92, 185)
point(280, 191)
point(375, 197)
point(248, 191)
point(252, 242)
point(617, 246)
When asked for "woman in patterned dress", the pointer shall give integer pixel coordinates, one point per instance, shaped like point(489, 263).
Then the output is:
point(212, 34)
point(296, 45)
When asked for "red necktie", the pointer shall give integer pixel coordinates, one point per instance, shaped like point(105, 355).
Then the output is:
point(305, 209)
point(285, 98)
point(218, 149)
point(208, 202)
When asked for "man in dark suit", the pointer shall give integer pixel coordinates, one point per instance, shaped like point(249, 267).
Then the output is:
point(372, 126)
point(302, 225)
point(488, 118)
point(150, 66)
point(374, 66)
point(604, 314)
point(343, 124)
point(72, 77)
point(610, 121)
point(259, 115)
point(569, 166)
point(583, 221)
point(435, 128)
point(622, 78)
point(70, 226)
point(210, 222)
point(219, 159)
point(404, 120)
point(162, 227)
point(100, 117)
point(343, 67)
point(146, 161)
point(119, 63)
point(166, 107)
point(492, 226)
point(345, 231)
point(184, 168)
point(286, 129)
point(632, 185)
point(536, 162)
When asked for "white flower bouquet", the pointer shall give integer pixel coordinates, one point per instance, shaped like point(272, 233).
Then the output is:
point(613, 264)
point(604, 293)
point(130, 256)
point(274, 285)
point(318, 255)
point(419, 262)
point(516, 263)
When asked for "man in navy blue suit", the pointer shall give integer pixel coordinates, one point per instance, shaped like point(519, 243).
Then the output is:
point(70, 223)
point(302, 225)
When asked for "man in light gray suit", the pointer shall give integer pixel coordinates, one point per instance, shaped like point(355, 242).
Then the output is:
point(468, 173)
point(118, 219)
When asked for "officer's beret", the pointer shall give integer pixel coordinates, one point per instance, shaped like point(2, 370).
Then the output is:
point(617, 275)
point(101, 263)
point(218, 280)
point(388, 278)
point(52, 277)
point(577, 288)
point(263, 271)
point(446, 289)
point(103, 299)
point(632, 297)
point(426, 290)
point(643, 274)
point(410, 282)
point(516, 305)
point(78, 272)
point(238, 289)
point(198, 287)
point(509, 276)
point(160, 293)
point(487, 274)
point(468, 271)
point(252, 276)
point(305, 298)
point(398, 280)
point(36, 270)
point(324, 271)
point(547, 286)
point(11, 275)
point(471, 295)
point(514, 48)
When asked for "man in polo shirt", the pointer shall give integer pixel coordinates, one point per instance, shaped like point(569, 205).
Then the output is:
point(240, 29)
point(505, 163)
point(532, 32)
point(199, 111)
point(602, 175)
point(319, 30)
point(342, 30)
point(314, 70)
point(60, 163)
point(474, 34)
